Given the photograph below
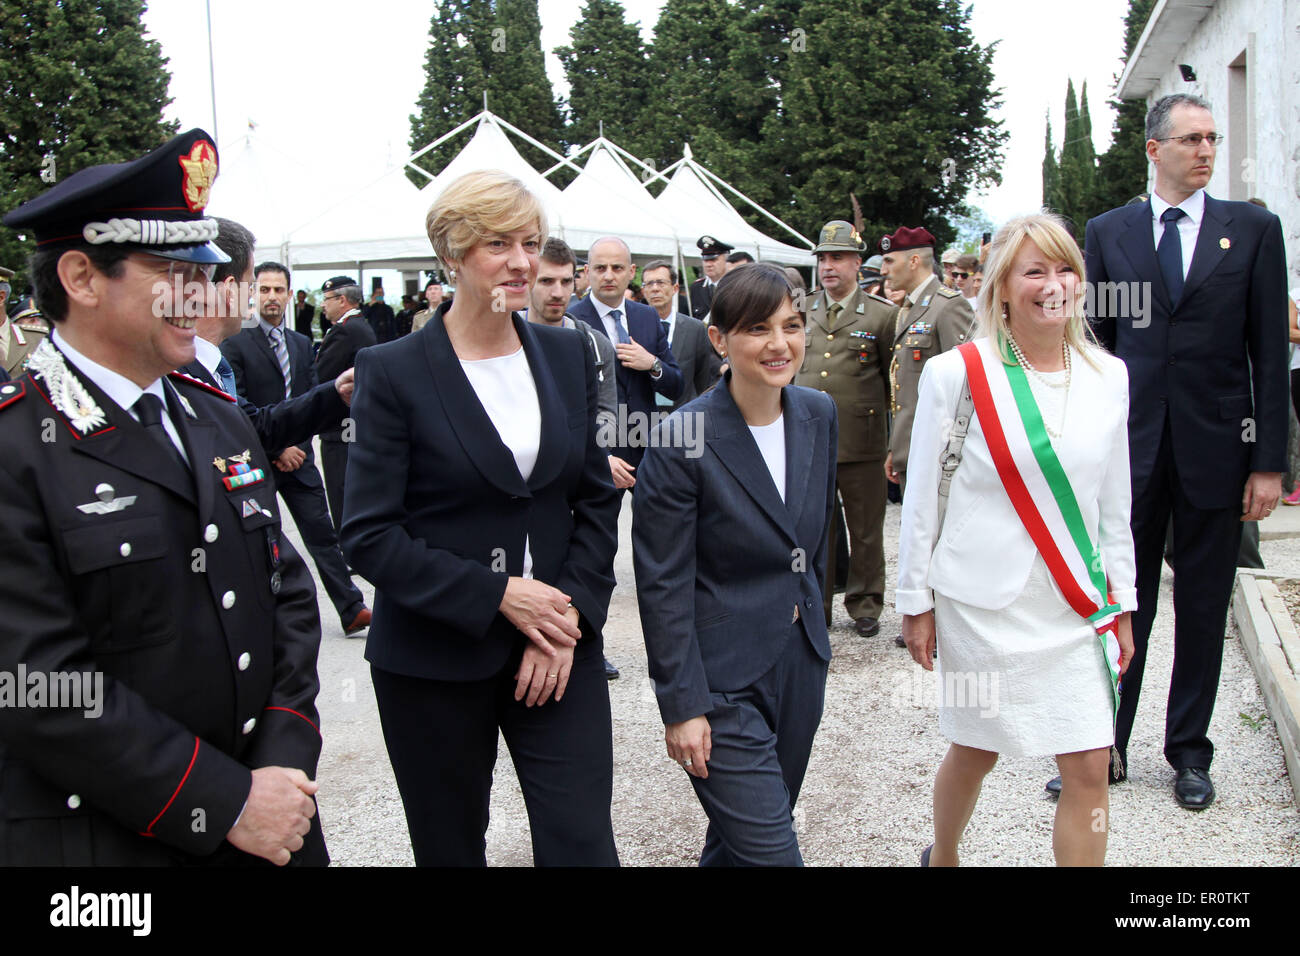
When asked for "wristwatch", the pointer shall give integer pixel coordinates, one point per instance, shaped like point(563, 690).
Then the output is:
point(657, 370)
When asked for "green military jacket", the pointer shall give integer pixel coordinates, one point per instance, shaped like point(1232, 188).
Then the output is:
point(940, 320)
point(26, 330)
point(850, 362)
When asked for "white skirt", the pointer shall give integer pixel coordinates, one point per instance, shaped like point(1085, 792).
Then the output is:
point(1028, 679)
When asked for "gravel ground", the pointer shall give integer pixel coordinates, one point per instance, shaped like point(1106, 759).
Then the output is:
point(866, 797)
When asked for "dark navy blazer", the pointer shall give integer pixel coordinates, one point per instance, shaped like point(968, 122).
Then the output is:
point(435, 511)
point(1199, 363)
point(636, 389)
point(721, 562)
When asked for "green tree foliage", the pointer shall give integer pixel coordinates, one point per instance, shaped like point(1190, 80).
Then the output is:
point(884, 96)
point(477, 47)
point(609, 76)
point(80, 83)
point(1072, 191)
point(1122, 169)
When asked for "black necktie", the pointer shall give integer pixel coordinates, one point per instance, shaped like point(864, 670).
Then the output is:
point(1170, 254)
point(148, 408)
point(667, 332)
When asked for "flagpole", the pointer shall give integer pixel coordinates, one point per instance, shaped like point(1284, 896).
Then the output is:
point(212, 74)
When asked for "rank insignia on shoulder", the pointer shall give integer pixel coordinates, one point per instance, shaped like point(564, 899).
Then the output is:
point(948, 293)
point(108, 501)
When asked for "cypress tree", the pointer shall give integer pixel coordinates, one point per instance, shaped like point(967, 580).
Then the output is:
point(79, 83)
point(609, 76)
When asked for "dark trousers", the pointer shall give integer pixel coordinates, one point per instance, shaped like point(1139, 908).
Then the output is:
point(762, 737)
point(1205, 546)
point(861, 486)
point(442, 741)
point(307, 505)
point(334, 463)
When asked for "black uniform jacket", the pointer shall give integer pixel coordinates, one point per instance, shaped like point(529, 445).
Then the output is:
point(338, 351)
point(435, 511)
point(179, 598)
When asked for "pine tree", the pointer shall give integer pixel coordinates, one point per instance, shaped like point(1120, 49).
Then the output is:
point(477, 47)
point(889, 131)
point(1122, 169)
point(609, 76)
point(79, 83)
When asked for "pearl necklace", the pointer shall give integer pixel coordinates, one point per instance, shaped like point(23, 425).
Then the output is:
point(1044, 381)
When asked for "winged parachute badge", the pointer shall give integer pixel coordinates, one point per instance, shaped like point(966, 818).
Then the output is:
point(67, 394)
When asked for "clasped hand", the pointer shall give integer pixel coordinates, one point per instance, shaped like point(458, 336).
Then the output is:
point(277, 814)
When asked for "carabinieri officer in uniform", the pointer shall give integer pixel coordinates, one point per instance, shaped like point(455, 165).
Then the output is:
point(168, 657)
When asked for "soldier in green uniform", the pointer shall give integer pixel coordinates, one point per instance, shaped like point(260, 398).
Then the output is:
point(849, 333)
point(20, 335)
point(933, 319)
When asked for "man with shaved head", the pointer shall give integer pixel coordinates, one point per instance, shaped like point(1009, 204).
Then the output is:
point(645, 359)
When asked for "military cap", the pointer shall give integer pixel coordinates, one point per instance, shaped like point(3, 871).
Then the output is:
point(711, 248)
point(905, 239)
point(339, 282)
point(6, 274)
point(950, 254)
point(839, 236)
point(874, 264)
point(153, 204)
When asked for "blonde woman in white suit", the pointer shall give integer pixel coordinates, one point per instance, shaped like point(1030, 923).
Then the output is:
point(1026, 585)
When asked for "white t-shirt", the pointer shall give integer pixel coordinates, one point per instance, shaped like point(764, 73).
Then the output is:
point(771, 445)
point(505, 387)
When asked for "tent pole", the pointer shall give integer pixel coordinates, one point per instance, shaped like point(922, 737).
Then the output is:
point(722, 182)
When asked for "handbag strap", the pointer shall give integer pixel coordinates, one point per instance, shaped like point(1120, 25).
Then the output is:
point(951, 457)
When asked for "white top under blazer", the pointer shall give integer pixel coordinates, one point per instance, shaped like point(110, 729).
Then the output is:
point(984, 555)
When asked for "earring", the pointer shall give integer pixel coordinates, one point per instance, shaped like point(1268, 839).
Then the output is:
point(1005, 312)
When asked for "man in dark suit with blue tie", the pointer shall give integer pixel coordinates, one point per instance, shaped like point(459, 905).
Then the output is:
point(1190, 291)
point(646, 363)
point(271, 363)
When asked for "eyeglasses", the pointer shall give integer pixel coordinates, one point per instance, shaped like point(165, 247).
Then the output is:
point(655, 284)
point(337, 295)
point(1193, 140)
point(176, 268)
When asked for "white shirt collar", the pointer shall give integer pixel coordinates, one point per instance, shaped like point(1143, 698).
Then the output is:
point(1193, 206)
point(915, 295)
point(209, 355)
point(603, 310)
point(124, 392)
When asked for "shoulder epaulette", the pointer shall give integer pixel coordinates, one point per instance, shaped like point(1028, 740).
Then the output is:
point(11, 392)
point(200, 384)
point(879, 298)
point(31, 320)
point(948, 293)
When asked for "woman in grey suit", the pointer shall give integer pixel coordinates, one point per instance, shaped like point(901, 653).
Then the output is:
point(729, 536)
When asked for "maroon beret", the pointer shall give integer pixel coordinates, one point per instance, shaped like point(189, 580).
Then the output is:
point(905, 239)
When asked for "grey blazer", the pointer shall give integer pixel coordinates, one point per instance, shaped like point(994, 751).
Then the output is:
point(722, 564)
point(699, 361)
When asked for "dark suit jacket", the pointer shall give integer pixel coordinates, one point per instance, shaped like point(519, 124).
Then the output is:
point(338, 351)
point(701, 298)
point(435, 512)
point(291, 421)
point(696, 357)
point(714, 547)
point(116, 594)
point(1198, 364)
point(636, 390)
point(258, 379)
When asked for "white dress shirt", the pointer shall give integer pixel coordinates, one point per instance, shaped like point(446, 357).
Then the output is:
point(209, 356)
point(124, 392)
point(1189, 226)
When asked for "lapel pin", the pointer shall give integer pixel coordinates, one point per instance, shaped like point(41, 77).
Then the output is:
point(1225, 243)
point(219, 463)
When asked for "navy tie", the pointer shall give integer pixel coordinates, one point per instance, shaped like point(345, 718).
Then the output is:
point(227, 376)
point(623, 337)
point(148, 408)
point(1170, 254)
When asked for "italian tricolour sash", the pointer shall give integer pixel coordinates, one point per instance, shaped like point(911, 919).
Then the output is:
point(1040, 492)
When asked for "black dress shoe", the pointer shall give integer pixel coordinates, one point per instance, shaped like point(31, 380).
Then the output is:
point(611, 672)
point(925, 855)
point(867, 626)
point(1193, 789)
point(899, 642)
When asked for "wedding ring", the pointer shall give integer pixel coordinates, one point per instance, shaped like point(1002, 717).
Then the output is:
point(551, 676)
point(686, 762)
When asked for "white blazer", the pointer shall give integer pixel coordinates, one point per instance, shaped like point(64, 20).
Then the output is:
point(984, 555)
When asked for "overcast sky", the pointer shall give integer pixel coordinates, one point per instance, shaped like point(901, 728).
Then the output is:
point(333, 83)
